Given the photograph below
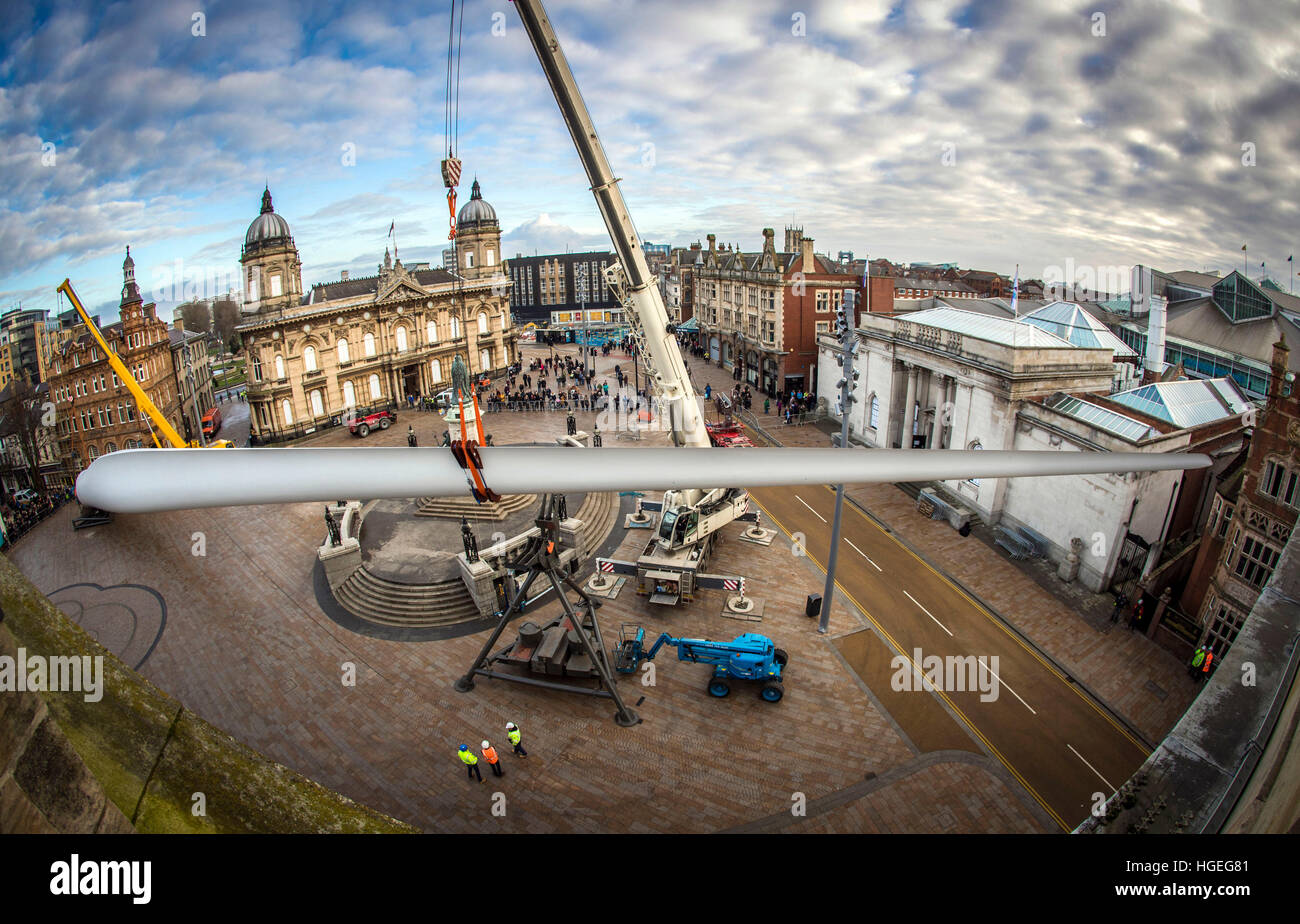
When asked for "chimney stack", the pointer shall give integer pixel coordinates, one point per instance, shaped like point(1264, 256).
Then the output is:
point(806, 249)
point(344, 276)
point(713, 238)
point(1155, 358)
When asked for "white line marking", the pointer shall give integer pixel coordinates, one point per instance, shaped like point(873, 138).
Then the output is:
point(1093, 769)
point(863, 554)
point(928, 613)
point(805, 503)
point(1003, 683)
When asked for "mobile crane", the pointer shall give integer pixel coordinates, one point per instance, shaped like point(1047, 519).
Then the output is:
point(147, 407)
point(669, 568)
point(746, 657)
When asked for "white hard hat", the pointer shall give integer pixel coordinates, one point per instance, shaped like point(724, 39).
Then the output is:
point(509, 725)
point(485, 744)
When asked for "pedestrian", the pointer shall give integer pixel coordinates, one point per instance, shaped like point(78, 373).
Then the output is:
point(512, 733)
point(410, 436)
point(1198, 659)
point(493, 758)
point(471, 762)
point(767, 406)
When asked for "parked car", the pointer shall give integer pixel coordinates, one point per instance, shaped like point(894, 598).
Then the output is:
point(362, 424)
point(25, 496)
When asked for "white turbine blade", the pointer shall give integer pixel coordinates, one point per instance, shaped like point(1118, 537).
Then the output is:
point(148, 480)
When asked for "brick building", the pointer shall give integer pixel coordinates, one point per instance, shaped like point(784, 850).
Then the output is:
point(542, 285)
point(96, 413)
point(1255, 507)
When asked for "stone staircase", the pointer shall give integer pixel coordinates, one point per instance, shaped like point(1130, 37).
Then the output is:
point(388, 603)
point(419, 606)
point(453, 508)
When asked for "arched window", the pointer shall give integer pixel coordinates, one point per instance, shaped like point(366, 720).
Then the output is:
point(455, 327)
point(309, 358)
point(370, 344)
point(435, 369)
point(279, 366)
point(374, 387)
point(975, 444)
point(257, 369)
point(343, 350)
point(875, 412)
point(485, 360)
point(93, 453)
point(482, 322)
point(317, 403)
point(401, 339)
point(349, 395)
point(431, 332)
point(275, 285)
point(286, 410)
point(111, 447)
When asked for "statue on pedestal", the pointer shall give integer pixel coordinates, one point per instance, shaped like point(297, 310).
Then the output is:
point(460, 378)
point(332, 525)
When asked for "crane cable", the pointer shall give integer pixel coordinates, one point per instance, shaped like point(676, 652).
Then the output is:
point(451, 112)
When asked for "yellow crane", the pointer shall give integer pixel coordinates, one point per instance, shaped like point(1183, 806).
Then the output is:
point(147, 407)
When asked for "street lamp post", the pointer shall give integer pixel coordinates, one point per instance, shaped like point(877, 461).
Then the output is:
point(845, 351)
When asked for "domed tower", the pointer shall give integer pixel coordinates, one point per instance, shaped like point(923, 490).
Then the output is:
point(478, 238)
point(272, 273)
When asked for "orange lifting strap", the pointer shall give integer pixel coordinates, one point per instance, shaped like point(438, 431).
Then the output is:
point(451, 179)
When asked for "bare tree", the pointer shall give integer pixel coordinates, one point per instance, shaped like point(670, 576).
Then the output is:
point(197, 316)
point(225, 315)
point(23, 413)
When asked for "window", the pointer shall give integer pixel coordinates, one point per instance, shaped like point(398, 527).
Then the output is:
point(401, 339)
point(349, 395)
point(431, 332)
point(343, 351)
point(974, 445)
point(485, 360)
point(491, 257)
point(275, 285)
point(252, 285)
point(317, 403)
point(309, 358)
point(286, 411)
point(823, 301)
point(374, 387)
point(1225, 521)
point(874, 419)
point(1256, 561)
point(1271, 483)
point(93, 453)
point(257, 368)
point(111, 447)
point(482, 323)
point(435, 369)
point(469, 259)
point(455, 328)
point(823, 327)
point(369, 344)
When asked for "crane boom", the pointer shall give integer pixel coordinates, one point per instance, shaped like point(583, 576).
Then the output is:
point(663, 359)
point(141, 398)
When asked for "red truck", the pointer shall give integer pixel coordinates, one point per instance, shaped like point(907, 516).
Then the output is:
point(362, 424)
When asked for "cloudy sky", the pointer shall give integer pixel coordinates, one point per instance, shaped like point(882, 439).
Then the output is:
point(989, 134)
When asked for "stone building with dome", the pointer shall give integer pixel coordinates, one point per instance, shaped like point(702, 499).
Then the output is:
point(370, 342)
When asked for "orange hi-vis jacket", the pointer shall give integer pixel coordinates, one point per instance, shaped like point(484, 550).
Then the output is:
point(491, 755)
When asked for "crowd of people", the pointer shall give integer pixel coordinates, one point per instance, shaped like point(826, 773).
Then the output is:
point(21, 516)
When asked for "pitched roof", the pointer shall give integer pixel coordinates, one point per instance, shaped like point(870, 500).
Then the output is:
point(1187, 403)
point(1073, 323)
point(986, 327)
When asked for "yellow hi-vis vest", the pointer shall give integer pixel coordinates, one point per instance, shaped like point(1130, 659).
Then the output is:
point(468, 757)
point(513, 736)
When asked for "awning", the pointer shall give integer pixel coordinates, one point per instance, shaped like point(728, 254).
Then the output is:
point(689, 326)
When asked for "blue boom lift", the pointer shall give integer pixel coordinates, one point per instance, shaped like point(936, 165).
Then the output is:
point(747, 657)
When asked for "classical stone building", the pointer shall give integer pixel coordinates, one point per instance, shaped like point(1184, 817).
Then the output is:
point(192, 370)
point(96, 413)
point(369, 342)
point(952, 379)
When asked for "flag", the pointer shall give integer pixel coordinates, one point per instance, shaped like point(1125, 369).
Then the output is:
point(1290, 258)
point(394, 225)
point(1243, 247)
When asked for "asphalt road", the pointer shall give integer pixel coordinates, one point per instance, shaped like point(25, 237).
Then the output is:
point(1060, 744)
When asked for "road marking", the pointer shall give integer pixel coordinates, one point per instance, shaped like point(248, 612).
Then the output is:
point(983, 611)
point(863, 554)
point(961, 716)
point(814, 512)
point(1093, 769)
point(1003, 683)
point(928, 613)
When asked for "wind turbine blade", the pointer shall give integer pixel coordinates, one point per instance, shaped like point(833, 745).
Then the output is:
point(149, 480)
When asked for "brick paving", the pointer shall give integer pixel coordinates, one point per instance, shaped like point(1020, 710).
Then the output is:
point(246, 647)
